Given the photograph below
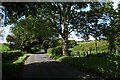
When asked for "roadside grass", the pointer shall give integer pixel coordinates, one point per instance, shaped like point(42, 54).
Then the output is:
point(11, 69)
point(4, 47)
point(105, 65)
point(102, 63)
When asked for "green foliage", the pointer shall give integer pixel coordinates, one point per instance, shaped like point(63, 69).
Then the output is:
point(107, 65)
point(56, 42)
point(4, 47)
point(57, 50)
point(49, 50)
point(71, 43)
point(11, 68)
point(11, 55)
point(90, 45)
point(31, 31)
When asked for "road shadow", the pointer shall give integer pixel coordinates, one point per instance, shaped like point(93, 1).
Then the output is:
point(53, 70)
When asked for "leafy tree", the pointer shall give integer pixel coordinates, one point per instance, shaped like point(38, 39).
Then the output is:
point(30, 32)
point(116, 29)
point(98, 21)
point(11, 40)
point(59, 14)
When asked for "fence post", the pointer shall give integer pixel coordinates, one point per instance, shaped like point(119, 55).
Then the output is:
point(78, 53)
point(84, 54)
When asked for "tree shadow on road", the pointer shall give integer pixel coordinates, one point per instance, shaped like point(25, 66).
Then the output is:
point(53, 70)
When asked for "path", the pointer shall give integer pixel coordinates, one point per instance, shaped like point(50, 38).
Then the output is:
point(41, 66)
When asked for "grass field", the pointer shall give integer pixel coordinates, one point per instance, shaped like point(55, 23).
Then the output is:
point(87, 45)
point(4, 47)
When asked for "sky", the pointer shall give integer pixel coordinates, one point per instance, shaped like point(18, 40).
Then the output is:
point(72, 36)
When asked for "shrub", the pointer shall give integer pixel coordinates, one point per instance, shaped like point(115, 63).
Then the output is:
point(7, 56)
point(71, 43)
point(57, 50)
point(69, 52)
point(56, 42)
point(49, 50)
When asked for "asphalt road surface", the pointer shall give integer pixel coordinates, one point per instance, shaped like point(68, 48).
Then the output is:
point(41, 66)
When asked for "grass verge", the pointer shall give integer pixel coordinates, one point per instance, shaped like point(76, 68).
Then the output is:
point(106, 65)
point(12, 68)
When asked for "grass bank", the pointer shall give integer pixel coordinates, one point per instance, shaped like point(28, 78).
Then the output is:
point(12, 67)
point(105, 65)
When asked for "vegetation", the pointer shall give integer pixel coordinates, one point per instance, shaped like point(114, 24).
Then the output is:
point(43, 21)
point(12, 61)
point(4, 47)
point(102, 63)
point(90, 45)
point(12, 64)
point(30, 32)
point(107, 66)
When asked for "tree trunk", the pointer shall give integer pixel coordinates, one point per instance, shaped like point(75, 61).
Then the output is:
point(65, 37)
point(65, 48)
point(65, 23)
point(111, 46)
point(45, 50)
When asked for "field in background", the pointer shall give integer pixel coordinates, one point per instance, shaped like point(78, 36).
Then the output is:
point(88, 47)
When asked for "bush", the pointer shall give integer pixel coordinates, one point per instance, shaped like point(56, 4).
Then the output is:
point(57, 50)
point(7, 56)
point(69, 52)
point(49, 50)
point(71, 43)
point(56, 42)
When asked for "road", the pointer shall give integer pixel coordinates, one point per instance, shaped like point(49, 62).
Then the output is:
point(41, 66)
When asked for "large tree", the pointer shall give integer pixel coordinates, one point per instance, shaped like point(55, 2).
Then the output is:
point(60, 15)
point(98, 22)
point(31, 31)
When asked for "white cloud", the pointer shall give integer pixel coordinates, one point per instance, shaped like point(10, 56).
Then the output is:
point(115, 3)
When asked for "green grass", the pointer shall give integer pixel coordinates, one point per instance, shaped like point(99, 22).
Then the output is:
point(87, 45)
point(105, 65)
point(4, 47)
point(20, 59)
point(102, 63)
point(11, 68)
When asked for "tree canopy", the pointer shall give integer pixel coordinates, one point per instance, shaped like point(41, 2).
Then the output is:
point(66, 17)
point(31, 31)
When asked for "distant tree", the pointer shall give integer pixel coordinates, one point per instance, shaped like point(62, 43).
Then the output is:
point(11, 39)
point(31, 31)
